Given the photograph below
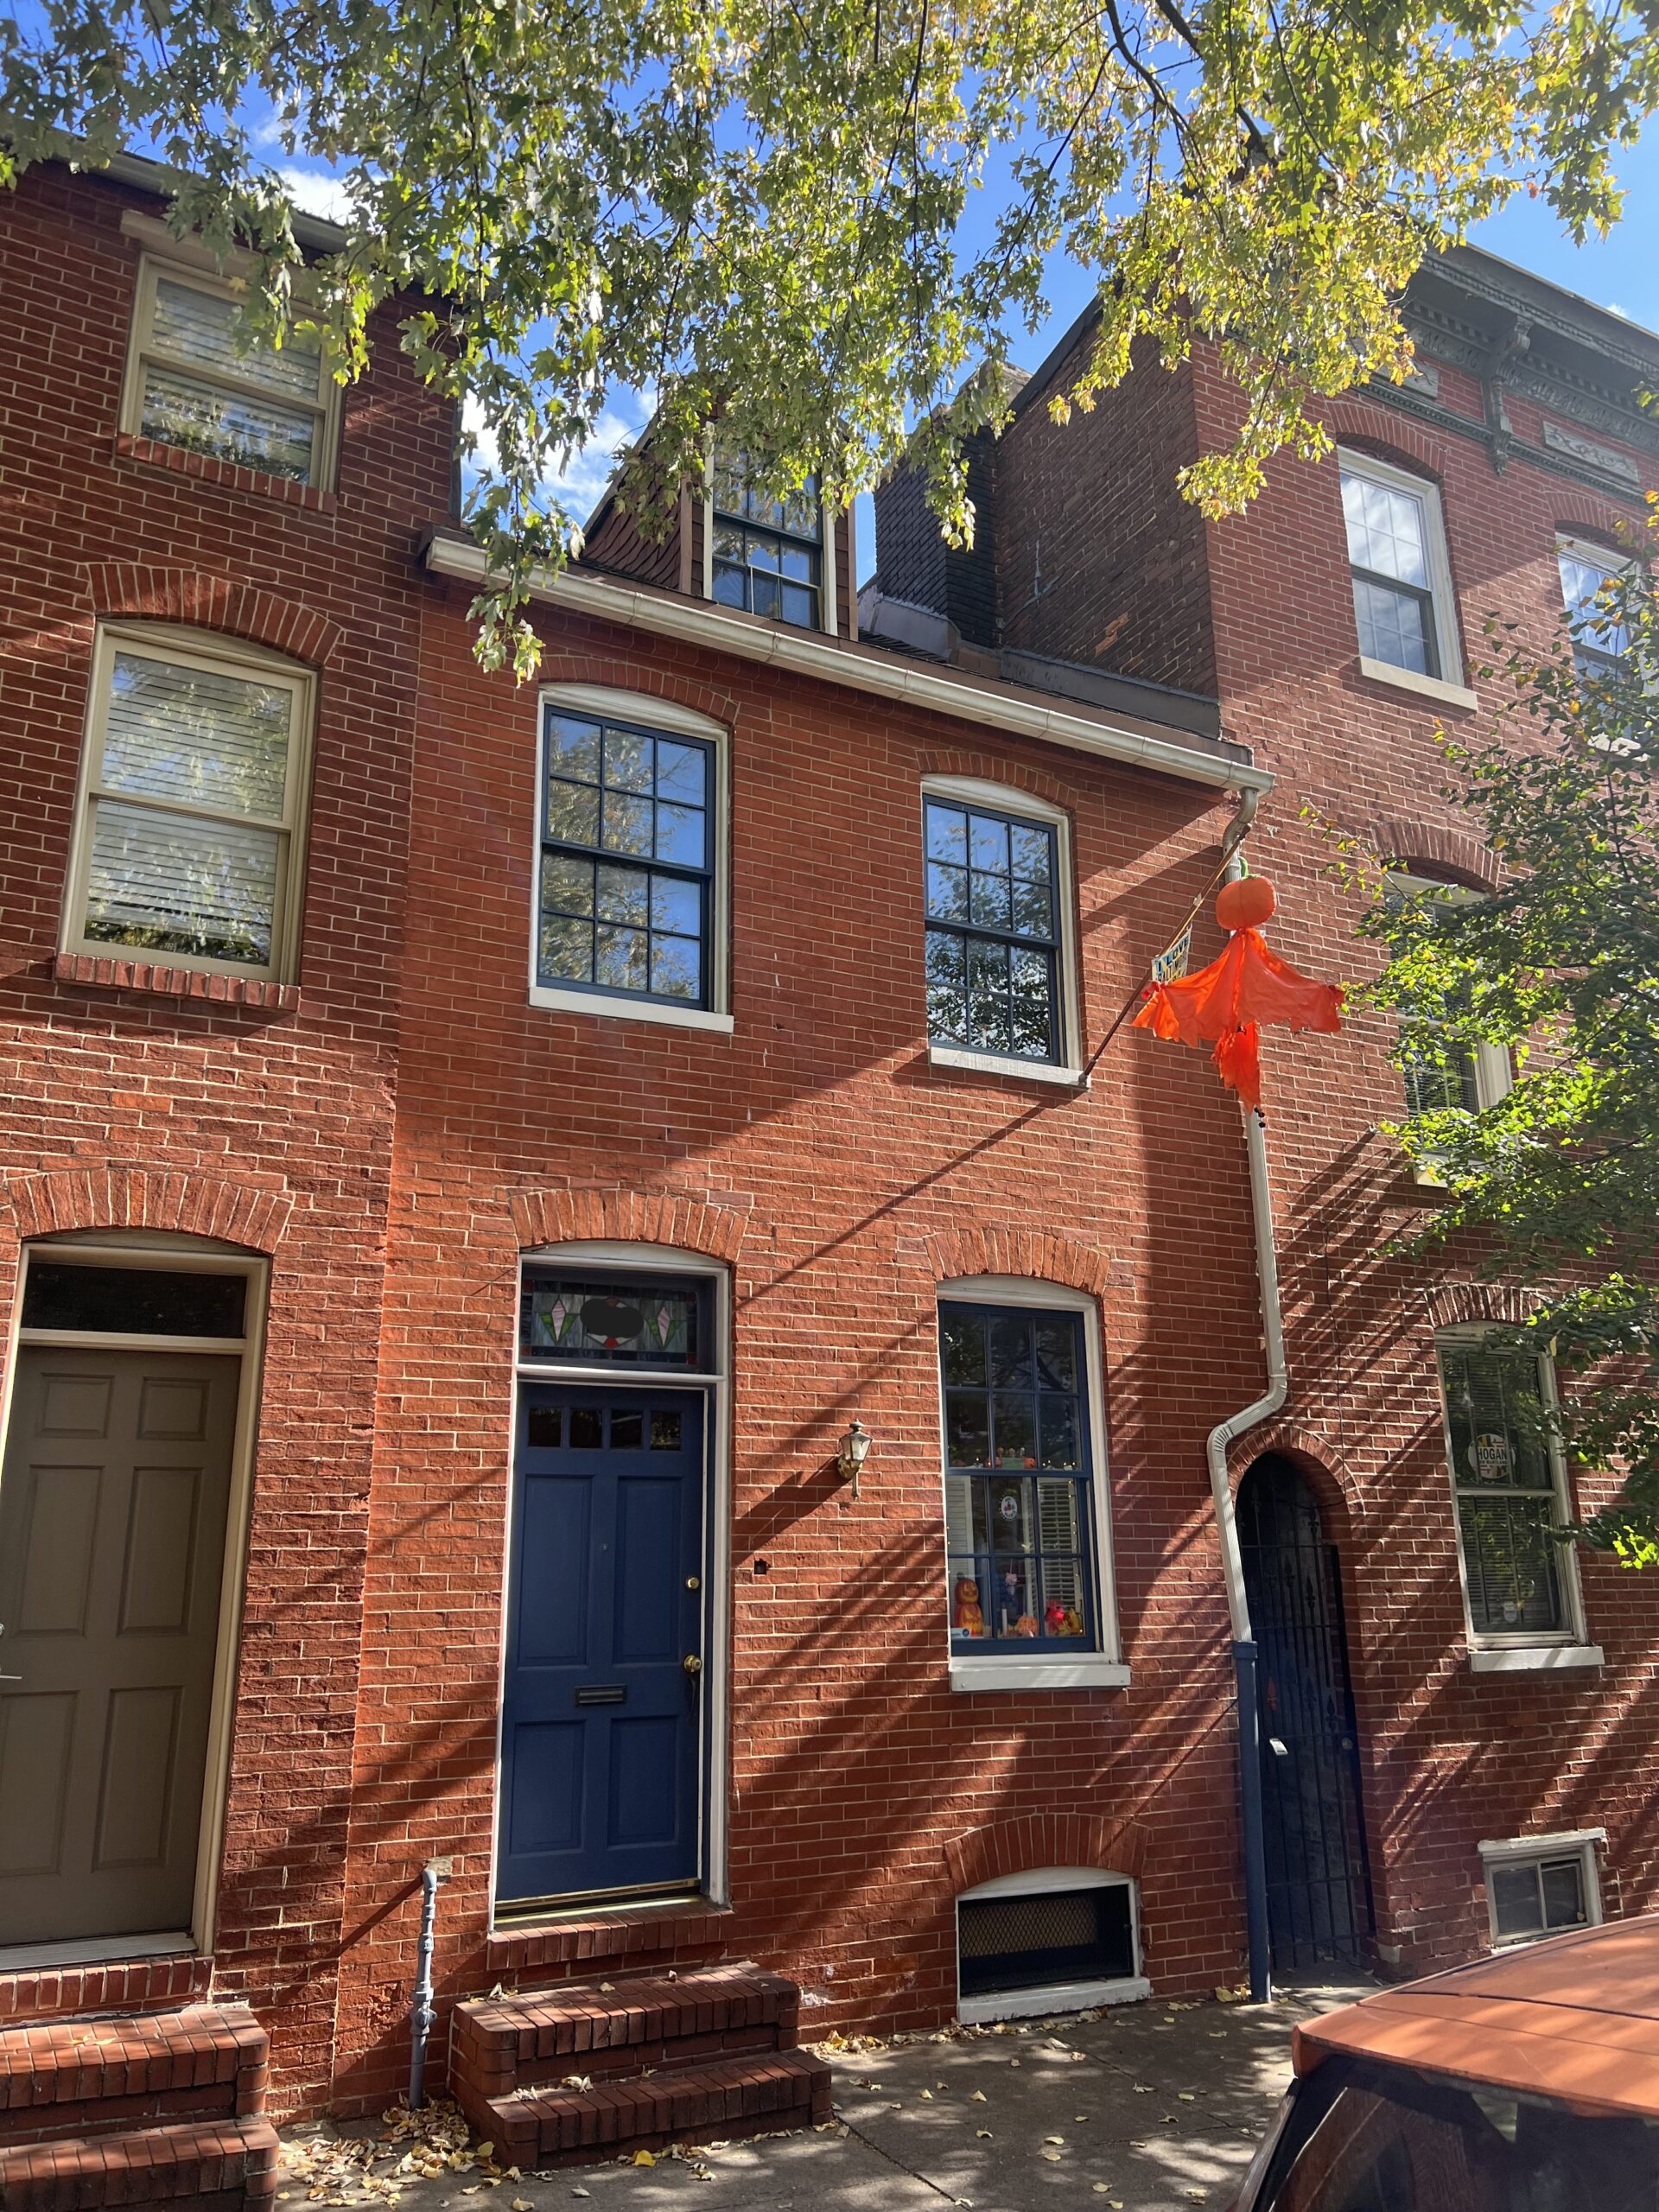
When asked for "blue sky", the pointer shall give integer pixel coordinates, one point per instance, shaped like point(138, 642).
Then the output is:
point(1620, 271)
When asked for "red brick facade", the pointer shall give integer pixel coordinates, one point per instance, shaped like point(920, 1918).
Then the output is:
point(396, 1124)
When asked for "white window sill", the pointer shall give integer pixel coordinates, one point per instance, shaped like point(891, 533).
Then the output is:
point(1088, 1671)
point(1534, 1658)
point(1061, 1996)
point(953, 1056)
point(1425, 687)
point(620, 1008)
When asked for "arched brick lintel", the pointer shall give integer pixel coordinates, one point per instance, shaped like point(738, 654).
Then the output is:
point(954, 1253)
point(192, 597)
point(132, 1198)
point(1393, 436)
point(1038, 1840)
point(997, 768)
point(689, 1224)
point(619, 673)
point(1394, 838)
point(1450, 1303)
point(1311, 1453)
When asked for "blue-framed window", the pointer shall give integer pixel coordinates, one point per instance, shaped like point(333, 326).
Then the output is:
point(992, 932)
point(626, 891)
point(1019, 1571)
point(767, 554)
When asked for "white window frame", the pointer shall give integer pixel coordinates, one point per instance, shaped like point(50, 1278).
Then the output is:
point(1056, 1996)
point(642, 711)
point(1533, 1850)
point(1449, 686)
point(182, 264)
point(828, 615)
point(222, 655)
point(1525, 1650)
point(1007, 799)
point(1614, 566)
point(1494, 1068)
point(1101, 1669)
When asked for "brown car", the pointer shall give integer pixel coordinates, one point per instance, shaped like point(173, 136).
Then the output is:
point(1528, 2082)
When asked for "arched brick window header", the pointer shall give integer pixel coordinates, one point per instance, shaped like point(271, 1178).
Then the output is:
point(614, 672)
point(1453, 1303)
point(1020, 1846)
point(690, 1224)
point(1430, 848)
point(199, 601)
point(996, 768)
point(1388, 435)
point(195, 1205)
point(955, 1252)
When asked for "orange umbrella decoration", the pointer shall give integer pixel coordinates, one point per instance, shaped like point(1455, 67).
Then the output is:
point(1225, 1003)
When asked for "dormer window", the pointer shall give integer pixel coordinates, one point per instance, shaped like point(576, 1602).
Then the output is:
point(767, 554)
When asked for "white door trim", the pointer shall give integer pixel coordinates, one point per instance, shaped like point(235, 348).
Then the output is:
point(187, 1255)
point(715, 1759)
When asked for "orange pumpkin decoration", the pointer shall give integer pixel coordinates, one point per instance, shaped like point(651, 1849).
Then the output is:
point(1245, 905)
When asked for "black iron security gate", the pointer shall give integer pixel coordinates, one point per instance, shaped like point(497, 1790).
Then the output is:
point(1319, 1883)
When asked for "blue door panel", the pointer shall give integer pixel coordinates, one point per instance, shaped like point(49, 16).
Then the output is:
point(600, 1740)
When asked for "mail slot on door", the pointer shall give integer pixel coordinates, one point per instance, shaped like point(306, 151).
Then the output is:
point(603, 1693)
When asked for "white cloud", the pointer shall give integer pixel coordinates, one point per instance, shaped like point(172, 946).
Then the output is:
point(318, 195)
point(588, 470)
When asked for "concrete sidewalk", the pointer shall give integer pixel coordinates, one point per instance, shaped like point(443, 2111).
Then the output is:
point(1153, 2107)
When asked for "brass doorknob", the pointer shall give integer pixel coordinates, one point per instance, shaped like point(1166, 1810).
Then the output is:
point(691, 1663)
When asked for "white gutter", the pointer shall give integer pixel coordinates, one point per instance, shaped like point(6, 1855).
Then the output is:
point(777, 645)
point(1273, 1331)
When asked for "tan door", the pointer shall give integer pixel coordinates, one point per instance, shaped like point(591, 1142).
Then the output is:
point(112, 1510)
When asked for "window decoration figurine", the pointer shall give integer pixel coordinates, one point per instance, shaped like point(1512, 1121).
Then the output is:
point(1226, 1003)
point(967, 1615)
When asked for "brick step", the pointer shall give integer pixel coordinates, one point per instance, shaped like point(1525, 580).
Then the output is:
point(769, 2094)
point(500, 2044)
point(107, 2077)
point(198, 2165)
point(691, 1934)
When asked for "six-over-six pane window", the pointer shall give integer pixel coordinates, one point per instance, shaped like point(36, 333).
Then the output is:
point(628, 861)
point(1507, 1491)
point(1016, 1445)
point(992, 932)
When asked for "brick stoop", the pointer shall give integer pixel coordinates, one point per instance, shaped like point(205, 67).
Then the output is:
point(201, 2165)
point(153, 2108)
point(687, 2058)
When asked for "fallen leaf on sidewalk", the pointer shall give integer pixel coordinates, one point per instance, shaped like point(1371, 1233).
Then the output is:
point(1053, 2139)
point(1186, 2096)
point(928, 2094)
point(984, 2134)
point(1143, 2089)
point(978, 2096)
point(644, 2158)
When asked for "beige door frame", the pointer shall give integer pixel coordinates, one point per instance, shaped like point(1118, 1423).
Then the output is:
point(193, 1255)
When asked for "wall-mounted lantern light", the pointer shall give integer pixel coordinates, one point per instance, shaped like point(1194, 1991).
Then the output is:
point(854, 1450)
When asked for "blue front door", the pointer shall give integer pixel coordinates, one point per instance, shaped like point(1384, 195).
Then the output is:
point(601, 1736)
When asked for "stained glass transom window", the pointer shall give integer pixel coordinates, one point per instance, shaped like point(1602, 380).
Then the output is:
point(628, 861)
point(1018, 1572)
point(622, 1323)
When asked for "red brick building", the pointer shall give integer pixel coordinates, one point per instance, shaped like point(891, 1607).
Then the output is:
point(484, 1162)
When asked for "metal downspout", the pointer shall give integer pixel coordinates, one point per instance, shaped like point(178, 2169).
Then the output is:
point(1232, 1564)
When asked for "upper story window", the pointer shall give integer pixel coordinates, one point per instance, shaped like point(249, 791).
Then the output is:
point(1598, 643)
point(1471, 1079)
point(628, 861)
point(995, 949)
point(767, 554)
point(187, 843)
point(1510, 1492)
point(190, 384)
point(1403, 605)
